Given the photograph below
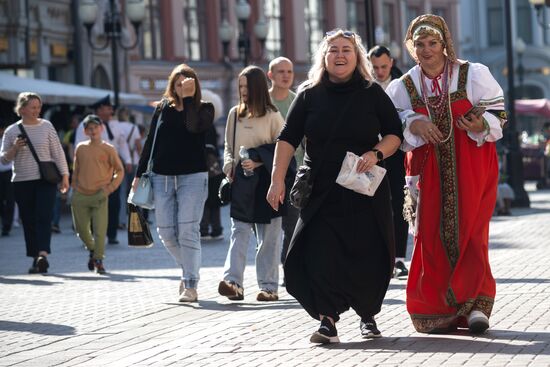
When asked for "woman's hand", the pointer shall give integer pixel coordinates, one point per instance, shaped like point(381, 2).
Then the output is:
point(187, 88)
point(64, 187)
point(427, 131)
point(135, 183)
point(276, 194)
point(366, 161)
point(471, 123)
point(250, 165)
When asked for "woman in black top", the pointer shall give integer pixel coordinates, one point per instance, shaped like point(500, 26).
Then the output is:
point(180, 178)
point(342, 251)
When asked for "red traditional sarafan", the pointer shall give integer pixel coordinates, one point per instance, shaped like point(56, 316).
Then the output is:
point(450, 274)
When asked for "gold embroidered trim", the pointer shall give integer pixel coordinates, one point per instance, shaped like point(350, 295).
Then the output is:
point(432, 323)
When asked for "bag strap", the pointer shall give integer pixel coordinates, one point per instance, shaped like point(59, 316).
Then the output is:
point(234, 136)
point(330, 139)
point(158, 115)
point(131, 133)
point(29, 143)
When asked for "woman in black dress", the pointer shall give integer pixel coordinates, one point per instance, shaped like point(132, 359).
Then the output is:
point(342, 251)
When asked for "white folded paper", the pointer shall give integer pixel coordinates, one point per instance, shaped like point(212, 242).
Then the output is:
point(363, 183)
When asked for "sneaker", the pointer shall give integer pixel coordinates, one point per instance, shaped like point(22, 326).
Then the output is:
point(99, 268)
point(205, 237)
point(188, 295)
point(478, 323)
point(267, 296)
point(369, 329)
point(33, 269)
point(56, 229)
point(182, 287)
point(42, 264)
point(400, 271)
point(113, 241)
point(216, 237)
point(327, 333)
point(91, 261)
point(231, 290)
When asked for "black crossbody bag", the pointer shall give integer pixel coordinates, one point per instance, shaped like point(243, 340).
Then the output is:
point(48, 170)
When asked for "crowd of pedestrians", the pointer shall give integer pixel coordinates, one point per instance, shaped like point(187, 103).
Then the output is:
point(432, 128)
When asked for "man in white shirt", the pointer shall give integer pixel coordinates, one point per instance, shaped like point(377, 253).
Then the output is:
point(113, 134)
point(384, 71)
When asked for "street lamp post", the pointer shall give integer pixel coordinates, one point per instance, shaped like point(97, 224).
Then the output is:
point(135, 11)
point(514, 159)
point(520, 50)
point(242, 11)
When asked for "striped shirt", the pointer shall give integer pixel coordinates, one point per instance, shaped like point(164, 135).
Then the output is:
point(46, 144)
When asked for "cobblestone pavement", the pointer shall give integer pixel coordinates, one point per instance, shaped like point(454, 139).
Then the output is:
point(130, 317)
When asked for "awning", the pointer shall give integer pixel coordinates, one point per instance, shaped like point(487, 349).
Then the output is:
point(533, 107)
point(57, 93)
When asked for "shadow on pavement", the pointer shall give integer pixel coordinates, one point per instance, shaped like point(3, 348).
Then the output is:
point(42, 328)
point(521, 280)
point(12, 281)
point(114, 277)
point(442, 344)
point(283, 304)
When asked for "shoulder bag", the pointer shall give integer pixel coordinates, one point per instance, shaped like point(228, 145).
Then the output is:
point(224, 191)
point(48, 170)
point(303, 183)
point(142, 196)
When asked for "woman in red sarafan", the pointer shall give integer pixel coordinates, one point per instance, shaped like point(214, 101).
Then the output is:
point(452, 176)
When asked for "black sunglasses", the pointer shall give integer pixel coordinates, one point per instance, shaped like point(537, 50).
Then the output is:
point(347, 34)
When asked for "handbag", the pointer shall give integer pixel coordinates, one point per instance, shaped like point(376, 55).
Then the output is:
point(139, 233)
point(303, 183)
point(48, 169)
point(224, 191)
point(142, 196)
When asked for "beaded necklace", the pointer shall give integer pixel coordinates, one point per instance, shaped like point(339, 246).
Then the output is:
point(443, 98)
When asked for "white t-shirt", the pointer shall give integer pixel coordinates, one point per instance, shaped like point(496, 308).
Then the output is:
point(131, 135)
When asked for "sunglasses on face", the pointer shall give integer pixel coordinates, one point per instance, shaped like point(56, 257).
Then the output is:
point(347, 34)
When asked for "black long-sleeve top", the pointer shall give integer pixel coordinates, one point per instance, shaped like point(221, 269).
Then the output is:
point(178, 151)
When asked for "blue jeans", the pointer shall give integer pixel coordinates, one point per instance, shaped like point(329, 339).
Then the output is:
point(268, 250)
point(179, 202)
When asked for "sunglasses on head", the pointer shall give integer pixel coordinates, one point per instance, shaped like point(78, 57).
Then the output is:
point(347, 34)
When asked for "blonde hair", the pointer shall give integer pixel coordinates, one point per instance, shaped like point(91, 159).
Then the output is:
point(23, 99)
point(318, 67)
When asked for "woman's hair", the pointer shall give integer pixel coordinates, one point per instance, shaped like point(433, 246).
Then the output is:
point(187, 72)
point(318, 66)
point(258, 100)
point(23, 99)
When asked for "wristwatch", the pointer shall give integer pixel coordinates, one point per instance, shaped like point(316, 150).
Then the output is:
point(379, 154)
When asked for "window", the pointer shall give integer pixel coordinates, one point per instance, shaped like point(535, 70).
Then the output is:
point(442, 12)
point(495, 23)
point(411, 13)
point(194, 26)
point(356, 17)
point(315, 24)
point(151, 47)
point(274, 18)
point(523, 21)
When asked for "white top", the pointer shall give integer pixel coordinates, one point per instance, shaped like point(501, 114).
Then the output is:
point(481, 88)
point(131, 135)
point(118, 141)
point(46, 143)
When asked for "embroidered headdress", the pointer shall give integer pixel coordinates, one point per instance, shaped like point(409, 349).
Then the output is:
point(433, 25)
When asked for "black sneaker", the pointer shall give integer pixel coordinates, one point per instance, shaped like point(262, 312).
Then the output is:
point(42, 264)
point(91, 261)
point(99, 268)
point(326, 334)
point(400, 270)
point(369, 329)
point(34, 269)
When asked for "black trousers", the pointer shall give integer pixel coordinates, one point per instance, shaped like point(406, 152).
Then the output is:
point(7, 201)
point(396, 176)
point(211, 223)
point(114, 212)
point(35, 200)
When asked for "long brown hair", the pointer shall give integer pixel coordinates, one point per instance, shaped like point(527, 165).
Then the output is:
point(188, 72)
point(259, 101)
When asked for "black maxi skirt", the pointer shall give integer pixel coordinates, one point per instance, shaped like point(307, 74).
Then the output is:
point(340, 258)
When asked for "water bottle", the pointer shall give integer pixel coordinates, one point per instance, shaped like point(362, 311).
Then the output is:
point(243, 153)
